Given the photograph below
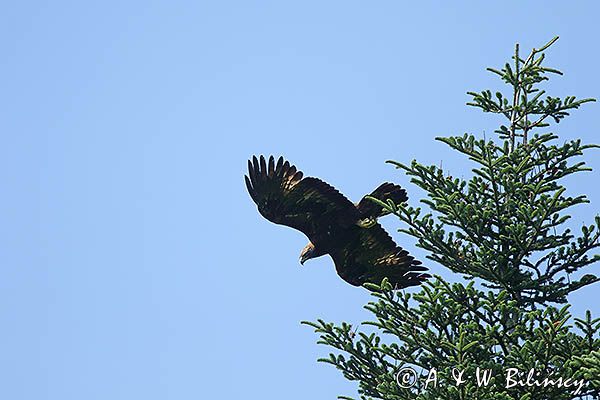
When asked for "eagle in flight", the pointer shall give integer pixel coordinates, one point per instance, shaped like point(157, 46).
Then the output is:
point(360, 248)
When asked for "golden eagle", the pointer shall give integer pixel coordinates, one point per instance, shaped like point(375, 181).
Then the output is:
point(360, 248)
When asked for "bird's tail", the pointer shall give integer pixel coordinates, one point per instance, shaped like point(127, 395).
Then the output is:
point(386, 191)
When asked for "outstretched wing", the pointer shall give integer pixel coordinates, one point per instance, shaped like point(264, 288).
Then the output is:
point(386, 191)
point(307, 204)
point(372, 255)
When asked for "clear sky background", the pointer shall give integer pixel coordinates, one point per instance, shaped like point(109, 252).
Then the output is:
point(133, 264)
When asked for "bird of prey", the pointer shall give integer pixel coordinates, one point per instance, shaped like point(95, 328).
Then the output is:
point(360, 248)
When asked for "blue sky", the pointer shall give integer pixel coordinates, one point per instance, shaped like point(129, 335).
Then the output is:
point(133, 264)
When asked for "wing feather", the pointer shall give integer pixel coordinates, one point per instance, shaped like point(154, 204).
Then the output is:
point(263, 168)
point(278, 171)
point(371, 255)
point(250, 188)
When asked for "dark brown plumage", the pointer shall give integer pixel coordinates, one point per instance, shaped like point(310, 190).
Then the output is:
point(360, 248)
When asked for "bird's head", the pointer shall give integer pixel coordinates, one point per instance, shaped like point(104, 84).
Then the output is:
point(307, 253)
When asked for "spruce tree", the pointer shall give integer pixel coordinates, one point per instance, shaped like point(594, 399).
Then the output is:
point(505, 232)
